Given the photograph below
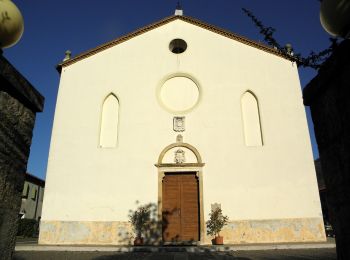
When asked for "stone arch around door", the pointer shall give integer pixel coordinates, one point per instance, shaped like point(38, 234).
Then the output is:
point(182, 175)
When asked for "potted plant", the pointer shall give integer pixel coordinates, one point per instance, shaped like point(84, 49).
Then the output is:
point(215, 224)
point(139, 220)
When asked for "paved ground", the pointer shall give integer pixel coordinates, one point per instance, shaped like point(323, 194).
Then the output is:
point(284, 254)
point(28, 249)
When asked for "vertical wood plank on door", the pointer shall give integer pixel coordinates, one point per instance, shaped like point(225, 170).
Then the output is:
point(171, 206)
point(180, 207)
point(189, 208)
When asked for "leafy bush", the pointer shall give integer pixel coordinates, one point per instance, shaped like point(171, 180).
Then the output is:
point(27, 227)
point(216, 222)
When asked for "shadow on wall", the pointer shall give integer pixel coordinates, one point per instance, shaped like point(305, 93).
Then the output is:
point(144, 221)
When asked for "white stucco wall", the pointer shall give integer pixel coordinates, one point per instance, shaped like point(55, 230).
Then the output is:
point(88, 183)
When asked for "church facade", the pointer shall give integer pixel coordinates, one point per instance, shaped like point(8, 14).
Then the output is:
point(189, 117)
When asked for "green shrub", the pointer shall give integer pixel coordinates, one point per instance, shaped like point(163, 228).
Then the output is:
point(27, 227)
point(216, 222)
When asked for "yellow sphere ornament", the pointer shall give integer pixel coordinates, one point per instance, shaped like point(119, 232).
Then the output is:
point(11, 24)
point(335, 17)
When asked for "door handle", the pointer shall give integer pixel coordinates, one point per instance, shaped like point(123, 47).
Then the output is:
point(179, 212)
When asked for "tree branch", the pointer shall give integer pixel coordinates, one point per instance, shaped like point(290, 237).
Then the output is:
point(313, 60)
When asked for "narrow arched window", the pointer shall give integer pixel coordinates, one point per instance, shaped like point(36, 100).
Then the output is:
point(109, 122)
point(251, 120)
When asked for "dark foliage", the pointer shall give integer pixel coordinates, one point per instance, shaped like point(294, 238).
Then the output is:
point(145, 223)
point(27, 227)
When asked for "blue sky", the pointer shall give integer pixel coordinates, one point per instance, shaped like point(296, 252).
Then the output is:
point(52, 27)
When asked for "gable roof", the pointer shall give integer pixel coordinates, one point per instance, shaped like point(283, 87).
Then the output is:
point(169, 19)
point(34, 179)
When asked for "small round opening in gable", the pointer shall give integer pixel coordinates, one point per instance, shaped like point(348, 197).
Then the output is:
point(177, 46)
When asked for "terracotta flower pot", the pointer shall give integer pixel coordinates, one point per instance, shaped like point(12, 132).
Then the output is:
point(219, 240)
point(138, 241)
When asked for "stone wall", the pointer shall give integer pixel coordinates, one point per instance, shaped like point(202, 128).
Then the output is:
point(328, 97)
point(236, 232)
point(19, 102)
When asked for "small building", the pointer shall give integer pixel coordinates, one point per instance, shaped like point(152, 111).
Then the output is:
point(32, 197)
point(188, 116)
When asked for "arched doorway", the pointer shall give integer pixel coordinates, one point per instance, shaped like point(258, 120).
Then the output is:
point(180, 194)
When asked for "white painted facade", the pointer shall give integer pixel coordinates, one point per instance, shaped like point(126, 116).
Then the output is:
point(273, 179)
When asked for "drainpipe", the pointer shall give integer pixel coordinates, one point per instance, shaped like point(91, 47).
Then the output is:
point(37, 202)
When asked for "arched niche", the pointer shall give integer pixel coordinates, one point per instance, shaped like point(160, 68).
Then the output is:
point(180, 144)
point(251, 119)
point(109, 122)
point(171, 155)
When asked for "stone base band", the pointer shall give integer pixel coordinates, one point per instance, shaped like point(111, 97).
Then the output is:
point(236, 232)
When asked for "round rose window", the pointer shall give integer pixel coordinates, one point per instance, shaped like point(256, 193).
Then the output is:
point(179, 94)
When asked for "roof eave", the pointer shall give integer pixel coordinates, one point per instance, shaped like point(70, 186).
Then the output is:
point(164, 21)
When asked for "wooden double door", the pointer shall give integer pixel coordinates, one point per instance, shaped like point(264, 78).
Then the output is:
point(180, 207)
